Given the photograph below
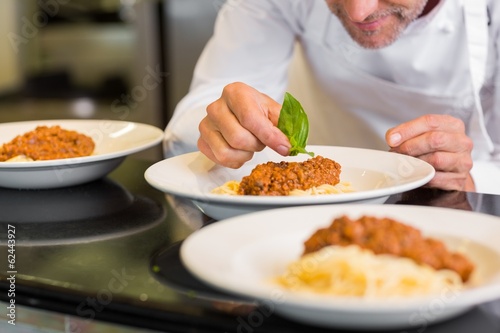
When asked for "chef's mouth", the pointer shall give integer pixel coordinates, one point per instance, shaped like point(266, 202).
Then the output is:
point(371, 25)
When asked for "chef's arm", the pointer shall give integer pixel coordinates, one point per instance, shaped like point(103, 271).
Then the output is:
point(253, 42)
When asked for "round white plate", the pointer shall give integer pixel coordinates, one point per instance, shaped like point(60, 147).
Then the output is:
point(114, 140)
point(242, 254)
point(373, 174)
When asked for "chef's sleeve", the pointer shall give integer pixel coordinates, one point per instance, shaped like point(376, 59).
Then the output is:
point(253, 43)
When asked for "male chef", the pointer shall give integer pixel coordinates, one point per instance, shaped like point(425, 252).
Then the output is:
point(417, 77)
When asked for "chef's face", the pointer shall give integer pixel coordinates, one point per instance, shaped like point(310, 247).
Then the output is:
point(376, 23)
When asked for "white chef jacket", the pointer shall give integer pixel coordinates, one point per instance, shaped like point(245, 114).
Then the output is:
point(446, 62)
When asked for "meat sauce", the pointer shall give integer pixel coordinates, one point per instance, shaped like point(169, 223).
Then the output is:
point(281, 178)
point(48, 143)
point(387, 236)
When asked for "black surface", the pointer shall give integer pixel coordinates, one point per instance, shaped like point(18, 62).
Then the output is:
point(171, 271)
point(121, 226)
point(167, 267)
point(97, 210)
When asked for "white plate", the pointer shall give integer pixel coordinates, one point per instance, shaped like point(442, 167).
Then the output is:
point(373, 174)
point(114, 140)
point(240, 255)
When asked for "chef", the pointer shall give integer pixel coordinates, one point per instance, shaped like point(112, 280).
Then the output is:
point(417, 77)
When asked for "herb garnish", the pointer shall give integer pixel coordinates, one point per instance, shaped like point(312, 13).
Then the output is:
point(294, 124)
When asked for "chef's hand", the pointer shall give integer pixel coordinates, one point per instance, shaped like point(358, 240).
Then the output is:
point(441, 141)
point(242, 121)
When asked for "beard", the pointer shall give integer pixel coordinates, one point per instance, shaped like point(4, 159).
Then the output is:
point(399, 17)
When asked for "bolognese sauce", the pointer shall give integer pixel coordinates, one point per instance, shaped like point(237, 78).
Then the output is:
point(273, 178)
point(387, 236)
point(48, 143)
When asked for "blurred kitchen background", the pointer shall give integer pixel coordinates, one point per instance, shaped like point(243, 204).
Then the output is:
point(99, 59)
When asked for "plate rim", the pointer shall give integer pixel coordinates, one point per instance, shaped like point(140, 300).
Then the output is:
point(467, 298)
point(280, 200)
point(83, 159)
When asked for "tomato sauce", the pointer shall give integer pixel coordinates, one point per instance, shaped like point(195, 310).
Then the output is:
point(281, 178)
point(387, 236)
point(48, 143)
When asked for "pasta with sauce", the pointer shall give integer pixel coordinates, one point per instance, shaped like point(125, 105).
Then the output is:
point(375, 257)
point(232, 188)
point(46, 143)
point(355, 272)
point(316, 176)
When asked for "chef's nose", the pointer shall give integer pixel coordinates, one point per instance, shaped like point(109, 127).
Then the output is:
point(359, 10)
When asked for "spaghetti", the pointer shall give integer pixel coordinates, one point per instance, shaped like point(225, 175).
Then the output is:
point(372, 257)
point(351, 271)
point(232, 188)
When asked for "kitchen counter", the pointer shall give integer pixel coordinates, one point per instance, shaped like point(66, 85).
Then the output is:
point(107, 252)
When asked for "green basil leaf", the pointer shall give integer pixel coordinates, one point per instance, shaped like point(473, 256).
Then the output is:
point(294, 124)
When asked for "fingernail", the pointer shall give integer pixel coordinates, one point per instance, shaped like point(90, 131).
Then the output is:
point(283, 150)
point(394, 139)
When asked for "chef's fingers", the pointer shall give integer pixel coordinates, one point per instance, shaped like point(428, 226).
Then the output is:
point(452, 170)
point(220, 118)
point(450, 181)
point(435, 141)
point(257, 113)
point(216, 149)
point(427, 123)
point(204, 147)
point(449, 162)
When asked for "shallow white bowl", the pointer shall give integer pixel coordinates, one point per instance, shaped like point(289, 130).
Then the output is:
point(243, 254)
point(114, 140)
point(374, 175)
